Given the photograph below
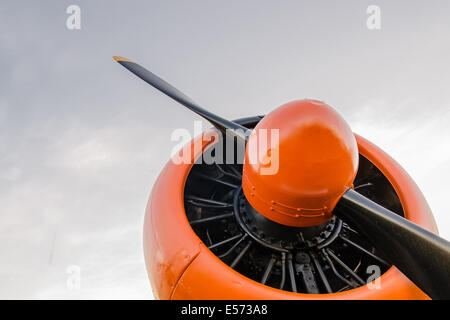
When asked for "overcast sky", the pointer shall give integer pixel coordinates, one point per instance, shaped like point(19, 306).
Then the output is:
point(82, 140)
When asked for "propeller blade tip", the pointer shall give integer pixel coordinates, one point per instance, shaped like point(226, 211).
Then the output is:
point(119, 58)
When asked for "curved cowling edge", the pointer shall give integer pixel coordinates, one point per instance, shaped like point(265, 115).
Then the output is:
point(181, 267)
point(170, 244)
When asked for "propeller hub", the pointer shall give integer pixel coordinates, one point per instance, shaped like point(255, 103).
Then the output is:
point(313, 160)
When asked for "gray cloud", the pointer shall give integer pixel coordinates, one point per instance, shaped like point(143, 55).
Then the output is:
point(82, 140)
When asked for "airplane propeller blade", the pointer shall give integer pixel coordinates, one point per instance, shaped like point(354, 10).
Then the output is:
point(223, 125)
point(419, 254)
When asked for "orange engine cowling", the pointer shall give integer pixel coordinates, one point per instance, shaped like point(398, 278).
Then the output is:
point(186, 260)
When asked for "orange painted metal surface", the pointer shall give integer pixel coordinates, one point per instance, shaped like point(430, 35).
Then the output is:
point(170, 245)
point(314, 160)
point(181, 267)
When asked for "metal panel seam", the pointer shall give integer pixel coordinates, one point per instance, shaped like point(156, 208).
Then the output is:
point(182, 273)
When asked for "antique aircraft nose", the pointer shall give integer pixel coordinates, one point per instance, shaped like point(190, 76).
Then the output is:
point(305, 172)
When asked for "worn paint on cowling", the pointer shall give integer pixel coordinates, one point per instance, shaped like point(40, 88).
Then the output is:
point(169, 242)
